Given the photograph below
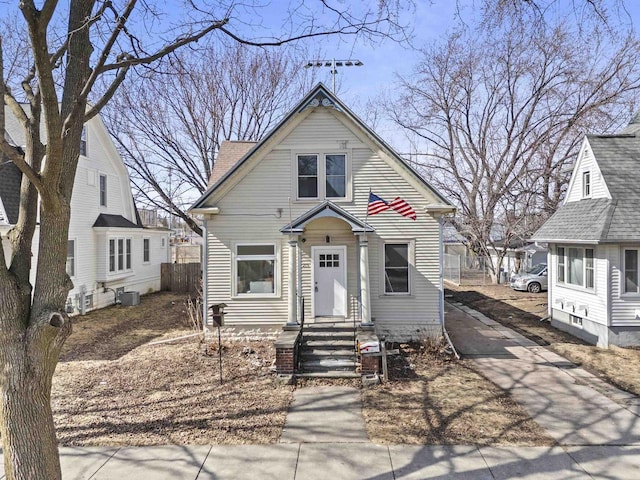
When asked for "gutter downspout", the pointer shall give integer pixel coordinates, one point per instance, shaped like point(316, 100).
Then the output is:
point(441, 281)
point(205, 248)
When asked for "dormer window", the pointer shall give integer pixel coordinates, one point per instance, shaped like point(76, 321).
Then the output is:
point(586, 184)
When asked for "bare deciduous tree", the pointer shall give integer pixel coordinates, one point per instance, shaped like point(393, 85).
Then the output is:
point(71, 49)
point(169, 125)
point(500, 112)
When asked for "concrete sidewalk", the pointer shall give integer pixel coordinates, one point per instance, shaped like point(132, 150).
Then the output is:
point(574, 406)
point(349, 461)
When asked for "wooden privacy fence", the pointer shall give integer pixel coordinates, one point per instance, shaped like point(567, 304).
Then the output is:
point(181, 277)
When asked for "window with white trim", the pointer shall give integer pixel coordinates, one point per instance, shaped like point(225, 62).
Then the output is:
point(335, 175)
point(71, 258)
point(586, 184)
point(576, 266)
point(307, 176)
point(255, 267)
point(119, 255)
point(146, 250)
point(103, 190)
point(631, 281)
point(396, 268)
point(83, 141)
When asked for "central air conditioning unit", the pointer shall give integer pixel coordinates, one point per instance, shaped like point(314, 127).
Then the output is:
point(129, 299)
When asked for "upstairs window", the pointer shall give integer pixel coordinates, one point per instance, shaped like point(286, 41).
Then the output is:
point(586, 185)
point(336, 176)
point(83, 142)
point(103, 190)
point(307, 176)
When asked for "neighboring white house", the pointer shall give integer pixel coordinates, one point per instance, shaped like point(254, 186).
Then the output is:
point(110, 250)
point(286, 225)
point(594, 243)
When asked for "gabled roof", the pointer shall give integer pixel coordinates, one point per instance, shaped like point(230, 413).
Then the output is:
point(10, 179)
point(324, 210)
point(319, 96)
point(603, 219)
point(114, 221)
point(229, 154)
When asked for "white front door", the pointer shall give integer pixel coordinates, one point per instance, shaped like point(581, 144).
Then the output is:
point(330, 281)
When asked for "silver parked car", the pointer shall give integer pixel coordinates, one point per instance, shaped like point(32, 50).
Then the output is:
point(534, 280)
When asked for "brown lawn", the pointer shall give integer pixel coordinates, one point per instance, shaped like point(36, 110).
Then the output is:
point(432, 398)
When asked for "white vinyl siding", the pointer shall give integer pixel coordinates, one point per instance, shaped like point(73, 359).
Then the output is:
point(596, 185)
point(256, 206)
point(589, 303)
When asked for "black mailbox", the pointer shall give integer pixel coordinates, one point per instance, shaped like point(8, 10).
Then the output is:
point(217, 314)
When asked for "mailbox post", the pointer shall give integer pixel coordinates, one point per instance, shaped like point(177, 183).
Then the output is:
point(217, 316)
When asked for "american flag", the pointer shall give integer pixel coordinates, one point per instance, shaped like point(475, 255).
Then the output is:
point(376, 204)
point(402, 207)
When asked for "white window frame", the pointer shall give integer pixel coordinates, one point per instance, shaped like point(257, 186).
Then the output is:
point(565, 263)
point(321, 158)
point(276, 269)
point(586, 184)
point(127, 252)
point(106, 189)
point(318, 177)
point(75, 258)
point(411, 266)
point(146, 249)
point(623, 271)
point(83, 141)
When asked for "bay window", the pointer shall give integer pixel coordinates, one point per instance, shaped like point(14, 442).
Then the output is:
point(255, 267)
point(119, 255)
point(576, 266)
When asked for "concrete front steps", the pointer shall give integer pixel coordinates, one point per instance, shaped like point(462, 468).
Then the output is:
point(328, 351)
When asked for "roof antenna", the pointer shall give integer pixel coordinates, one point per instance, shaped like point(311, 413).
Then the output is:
point(333, 63)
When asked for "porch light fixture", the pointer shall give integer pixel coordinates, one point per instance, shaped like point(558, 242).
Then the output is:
point(333, 63)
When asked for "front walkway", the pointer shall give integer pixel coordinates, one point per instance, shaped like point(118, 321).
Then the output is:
point(574, 406)
point(349, 461)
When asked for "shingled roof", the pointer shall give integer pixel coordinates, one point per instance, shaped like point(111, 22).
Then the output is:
point(10, 178)
point(604, 220)
point(229, 154)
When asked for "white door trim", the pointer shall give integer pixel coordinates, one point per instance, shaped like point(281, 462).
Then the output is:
point(343, 250)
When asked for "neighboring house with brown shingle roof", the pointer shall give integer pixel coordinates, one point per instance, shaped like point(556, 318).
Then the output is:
point(594, 243)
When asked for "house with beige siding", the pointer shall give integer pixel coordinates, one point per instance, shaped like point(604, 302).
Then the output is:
point(110, 250)
point(288, 239)
point(594, 243)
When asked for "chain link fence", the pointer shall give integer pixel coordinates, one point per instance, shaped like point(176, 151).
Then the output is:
point(466, 270)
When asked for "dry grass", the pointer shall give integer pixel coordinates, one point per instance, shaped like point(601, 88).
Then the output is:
point(434, 399)
point(113, 388)
point(522, 312)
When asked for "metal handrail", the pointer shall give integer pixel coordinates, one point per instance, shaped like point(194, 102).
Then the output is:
point(300, 336)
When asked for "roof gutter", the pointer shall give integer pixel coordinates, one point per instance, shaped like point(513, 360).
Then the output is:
point(205, 211)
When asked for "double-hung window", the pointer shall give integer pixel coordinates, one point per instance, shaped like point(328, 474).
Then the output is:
point(71, 258)
point(396, 268)
point(103, 190)
point(586, 184)
point(335, 176)
point(321, 176)
point(255, 268)
point(119, 255)
point(146, 250)
point(631, 282)
point(83, 142)
point(307, 176)
point(576, 266)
